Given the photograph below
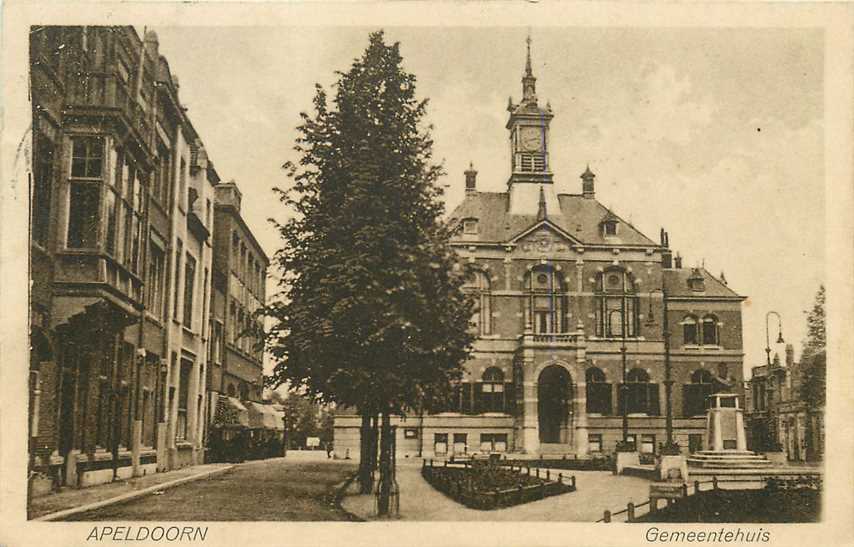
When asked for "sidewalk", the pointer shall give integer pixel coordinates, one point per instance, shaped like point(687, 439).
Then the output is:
point(597, 491)
point(73, 500)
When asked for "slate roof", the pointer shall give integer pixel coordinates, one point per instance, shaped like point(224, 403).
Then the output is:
point(579, 216)
point(676, 284)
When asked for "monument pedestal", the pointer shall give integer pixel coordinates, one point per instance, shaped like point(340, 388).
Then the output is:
point(625, 459)
point(673, 467)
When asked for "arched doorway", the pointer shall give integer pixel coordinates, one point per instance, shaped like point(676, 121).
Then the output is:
point(553, 403)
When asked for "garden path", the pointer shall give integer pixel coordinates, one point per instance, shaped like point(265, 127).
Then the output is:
point(597, 491)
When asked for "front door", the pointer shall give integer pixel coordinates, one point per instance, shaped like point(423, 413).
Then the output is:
point(553, 403)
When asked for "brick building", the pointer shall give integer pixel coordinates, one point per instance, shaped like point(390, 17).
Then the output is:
point(777, 414)
point(566, 288)
point(122, 212)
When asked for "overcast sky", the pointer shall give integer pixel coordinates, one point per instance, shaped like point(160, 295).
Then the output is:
point(714, 134)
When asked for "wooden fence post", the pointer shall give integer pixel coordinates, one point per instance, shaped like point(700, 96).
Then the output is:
point(548, 475)
point(572, 481)
point(538, 472)
point(560, 478)
point(684, 490)
point(607, 516)
point(714, 482)
point(630, 511)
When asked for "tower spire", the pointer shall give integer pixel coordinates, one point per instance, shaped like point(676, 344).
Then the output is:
point(542, 214)
point(529, 83)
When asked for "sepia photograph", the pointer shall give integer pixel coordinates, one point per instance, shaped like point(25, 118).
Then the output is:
point(382, 270)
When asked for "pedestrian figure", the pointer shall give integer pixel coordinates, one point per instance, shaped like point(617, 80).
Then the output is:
point(329, 451)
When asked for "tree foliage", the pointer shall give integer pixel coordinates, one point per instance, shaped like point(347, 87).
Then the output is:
point(370, 312)
point(814, 354)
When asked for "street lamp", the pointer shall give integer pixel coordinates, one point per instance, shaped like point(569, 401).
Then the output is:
point(623, 386)
point(668, 380)
point(767, 338)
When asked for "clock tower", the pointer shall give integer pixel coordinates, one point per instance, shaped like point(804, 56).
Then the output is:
point(530, 168)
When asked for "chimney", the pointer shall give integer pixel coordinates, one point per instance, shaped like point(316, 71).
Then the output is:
point(790, 355)
point(587, 180)
point(471, 179)
point(677, 261)
point(227, 193)
point(666, 253)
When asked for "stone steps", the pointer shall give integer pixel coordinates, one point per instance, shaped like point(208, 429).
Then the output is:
point(555, 448)
point(725, 461)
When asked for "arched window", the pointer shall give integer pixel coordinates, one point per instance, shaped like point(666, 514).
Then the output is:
point(639, 395)
point(616, 304)
point(492, 391)
point(479, 285)
point(710, 330)
point(598, 392)
point(547, 300)
point(694, 394)
point(689, 330)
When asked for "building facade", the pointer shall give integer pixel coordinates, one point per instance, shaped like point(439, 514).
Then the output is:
point(778, 417)
point(569, 296)
point(122, 217)
point(239, 289)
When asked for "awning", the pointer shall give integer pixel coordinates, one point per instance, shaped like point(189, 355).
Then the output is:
point(263, 417)
point(230, 412)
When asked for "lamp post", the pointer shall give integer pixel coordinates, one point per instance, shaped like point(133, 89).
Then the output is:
point(767, 338)
point(668, 379)
point(623, 385)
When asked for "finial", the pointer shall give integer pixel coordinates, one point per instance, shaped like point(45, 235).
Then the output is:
point(528, 60)
point(541, 210)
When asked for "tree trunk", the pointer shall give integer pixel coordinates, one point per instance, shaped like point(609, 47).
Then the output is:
point(366, 459)
point(385, 467)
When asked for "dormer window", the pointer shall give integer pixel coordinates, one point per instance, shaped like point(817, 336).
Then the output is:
point(609, 227)
point(470, 226)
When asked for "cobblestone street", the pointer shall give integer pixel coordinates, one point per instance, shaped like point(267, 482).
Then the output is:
point(295, 488)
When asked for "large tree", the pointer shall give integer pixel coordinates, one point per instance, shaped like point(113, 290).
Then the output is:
point(371, 314)
point(814, 368)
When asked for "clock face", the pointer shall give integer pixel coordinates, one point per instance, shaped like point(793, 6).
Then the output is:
point(531, 139)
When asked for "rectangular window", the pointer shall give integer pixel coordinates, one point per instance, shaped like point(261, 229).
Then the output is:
point(594, 442)
point(179, 253)
point(42, 186)
point(440, 444)
point(157, 260)
point(632, 439)
point(84, 215)
point(189, 289)
point(647, 445)
point(182, 185)
point(87, 157)
point(183, 396)
point(410, 433)
point(695, 442)
point(493, 442)
point(204, 299)
point(460, 443)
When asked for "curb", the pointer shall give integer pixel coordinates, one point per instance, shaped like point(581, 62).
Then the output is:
point(130, 495)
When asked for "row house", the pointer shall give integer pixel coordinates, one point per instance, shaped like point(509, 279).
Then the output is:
point(570, 321)
point(239, 274)
point(122, 214)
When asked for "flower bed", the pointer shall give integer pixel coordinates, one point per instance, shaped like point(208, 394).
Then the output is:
point(573, 464)
point(486, 485)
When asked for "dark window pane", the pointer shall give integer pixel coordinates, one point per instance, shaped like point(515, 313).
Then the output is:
point(42, 185)
point(83, 215)
point(111, 222)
